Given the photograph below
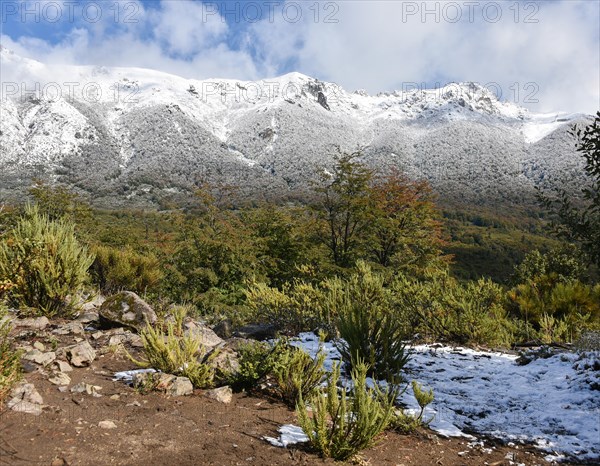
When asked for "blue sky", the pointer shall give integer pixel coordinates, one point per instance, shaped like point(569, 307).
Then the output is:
point(544, 55)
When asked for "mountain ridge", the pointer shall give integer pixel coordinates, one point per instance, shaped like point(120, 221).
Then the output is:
point(132, 135)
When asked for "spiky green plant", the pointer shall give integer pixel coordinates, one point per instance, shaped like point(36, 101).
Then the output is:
point(10, 360)
point(45, 262)
point(344, 424)
point(376, 339)
point(178, 355)
point(298, 375)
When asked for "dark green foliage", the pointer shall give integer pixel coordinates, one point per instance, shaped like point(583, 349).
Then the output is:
point(117, 269)
point(550, 297)
point(60, 203)
point(45, 262)
point(344, 207)
point(343, 424)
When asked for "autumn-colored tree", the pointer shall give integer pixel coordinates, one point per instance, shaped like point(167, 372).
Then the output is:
point(404, 229)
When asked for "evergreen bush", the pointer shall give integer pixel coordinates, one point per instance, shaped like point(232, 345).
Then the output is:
point(45, 262)
point(343, 424)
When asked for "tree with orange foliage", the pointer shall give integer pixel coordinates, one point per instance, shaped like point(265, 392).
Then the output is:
point(405, 232)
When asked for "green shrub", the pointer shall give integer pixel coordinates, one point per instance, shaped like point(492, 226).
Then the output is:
point(45, 262)
point(257, 360)
point(442, 308)
point(342, 425)
point(297, 375)
point(556, 311)
point(10, 360)
point(121, 269)
point(369, 328)
point(178, 355)
point(293, 309)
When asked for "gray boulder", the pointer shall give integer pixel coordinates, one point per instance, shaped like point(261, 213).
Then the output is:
point(126, 309)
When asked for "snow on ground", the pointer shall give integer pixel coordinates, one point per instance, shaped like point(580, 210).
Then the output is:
point(548, 402)
point(290, 435)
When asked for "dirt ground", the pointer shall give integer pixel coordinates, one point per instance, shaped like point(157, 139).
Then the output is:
point(154, 429)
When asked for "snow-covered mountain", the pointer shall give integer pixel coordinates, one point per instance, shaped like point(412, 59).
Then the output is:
point(129, 134)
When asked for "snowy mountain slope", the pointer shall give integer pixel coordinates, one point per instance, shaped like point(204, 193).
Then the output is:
point(128, 134)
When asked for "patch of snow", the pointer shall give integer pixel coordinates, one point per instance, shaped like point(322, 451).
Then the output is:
point(548, 402)
point(127, 376)
point(290, 435)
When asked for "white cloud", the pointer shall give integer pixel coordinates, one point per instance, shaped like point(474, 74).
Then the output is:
point(187, 27)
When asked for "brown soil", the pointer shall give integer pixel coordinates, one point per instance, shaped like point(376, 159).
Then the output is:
point(154, 429)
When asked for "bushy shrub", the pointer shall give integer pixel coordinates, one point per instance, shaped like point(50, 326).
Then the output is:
point(293, 309)
point(10, 361)
point(45, 262)
point(341, 424)
point(556, 311)
point(257, 360)
point(117, 269)
point(442, 308)
point(369, 328)
point(297, 375)
point(174, 354)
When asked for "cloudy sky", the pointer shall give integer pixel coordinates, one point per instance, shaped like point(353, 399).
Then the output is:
point(544, 55)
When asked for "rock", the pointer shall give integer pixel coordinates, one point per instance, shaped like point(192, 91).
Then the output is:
point(63, 366)
point(225, 361)
point(38, 323)
point(207, 337)
point(167, 383)
point(83, 387)
point(181, 386)
point(224, 329)
point(257, 332)
point(58, 462)
point(322, 100)
point(24, 398)
point(60, 378)
point(236, 343)
point(92, 304)
point(38, 345)
point(221, 394)
point(107, 425)
point(28, 366)
point(164, 381)
point(88, 317)
point(116, 340)
point(81, 355)
point(126, 309)
point(39, 357)
point(71, 328)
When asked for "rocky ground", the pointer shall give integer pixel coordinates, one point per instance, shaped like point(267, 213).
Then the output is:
point(69, 409)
